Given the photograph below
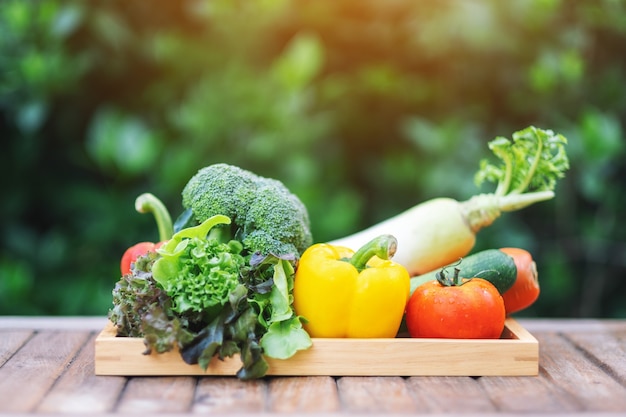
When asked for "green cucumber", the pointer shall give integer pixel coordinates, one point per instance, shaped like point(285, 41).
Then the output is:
point(492, 264)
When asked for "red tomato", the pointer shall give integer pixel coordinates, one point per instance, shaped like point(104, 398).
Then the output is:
point(134, 252)
point(471, 310)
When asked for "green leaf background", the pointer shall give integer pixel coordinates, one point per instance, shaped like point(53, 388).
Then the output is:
point(363, 108)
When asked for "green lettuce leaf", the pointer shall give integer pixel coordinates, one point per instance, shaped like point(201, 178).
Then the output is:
point(284, 338)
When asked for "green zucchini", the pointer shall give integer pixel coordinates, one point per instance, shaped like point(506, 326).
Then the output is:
point(492, 264)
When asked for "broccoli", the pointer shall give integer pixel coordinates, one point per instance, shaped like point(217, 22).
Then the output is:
point(266, 217)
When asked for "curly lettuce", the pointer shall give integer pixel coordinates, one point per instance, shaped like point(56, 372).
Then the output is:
point(134, 296)
point(199, 274)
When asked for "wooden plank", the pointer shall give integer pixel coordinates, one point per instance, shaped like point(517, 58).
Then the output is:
point(11, 341)
point(586, 385)
point(443, 394)
point(87, 323)
point(157, 395)
point(230, 395)
point(375, 395)
point(79, 390)
point(605, 349)
point(96, 323)
point(315, 394)
point(514, 354)
point(546, 325)
point(547, 393)
point(36, 365)
point(526, 394)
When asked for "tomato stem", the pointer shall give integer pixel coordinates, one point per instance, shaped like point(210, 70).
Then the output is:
point(446, 280)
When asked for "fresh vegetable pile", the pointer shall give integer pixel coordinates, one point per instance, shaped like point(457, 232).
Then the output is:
point(238, 273)
point(223, 282)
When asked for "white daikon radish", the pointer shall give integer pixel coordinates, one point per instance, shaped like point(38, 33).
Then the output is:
point(438, 232)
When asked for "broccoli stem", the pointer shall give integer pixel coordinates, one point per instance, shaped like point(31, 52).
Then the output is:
point(481, 210)
point(148, 203)
point(383, 246)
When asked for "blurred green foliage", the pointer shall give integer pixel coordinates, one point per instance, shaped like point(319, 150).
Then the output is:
point(361, 107)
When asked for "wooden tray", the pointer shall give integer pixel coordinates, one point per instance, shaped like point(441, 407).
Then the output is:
point(515, 353)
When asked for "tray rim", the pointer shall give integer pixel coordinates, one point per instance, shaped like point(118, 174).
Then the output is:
point(515, 353)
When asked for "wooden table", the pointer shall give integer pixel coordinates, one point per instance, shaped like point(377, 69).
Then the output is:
point(47, 367)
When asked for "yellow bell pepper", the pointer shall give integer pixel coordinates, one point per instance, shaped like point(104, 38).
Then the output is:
point(345, 294)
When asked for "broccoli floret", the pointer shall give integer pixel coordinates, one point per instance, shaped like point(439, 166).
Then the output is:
point(266, 217)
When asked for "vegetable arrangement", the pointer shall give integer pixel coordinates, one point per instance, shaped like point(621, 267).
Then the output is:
point(238, 273)
point(223, 282)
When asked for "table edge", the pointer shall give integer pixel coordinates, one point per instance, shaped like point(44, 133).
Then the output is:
point(97, 323)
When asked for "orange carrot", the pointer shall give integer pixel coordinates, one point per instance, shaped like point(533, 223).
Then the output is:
point(525, 290)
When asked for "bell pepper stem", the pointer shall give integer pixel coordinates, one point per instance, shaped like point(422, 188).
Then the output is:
point(148, 203)
point(383, 246)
